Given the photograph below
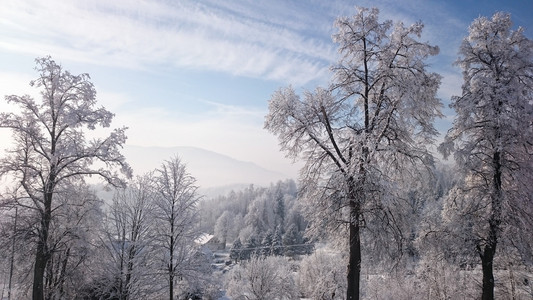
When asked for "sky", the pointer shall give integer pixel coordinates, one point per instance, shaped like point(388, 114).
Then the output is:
point(200, 73)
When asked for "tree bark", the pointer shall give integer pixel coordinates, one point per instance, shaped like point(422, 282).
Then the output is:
point(12, 260)
point(63, 277)
point(42, 254)
point(171, 269)
point(487, 256)
point(354, 264)
point(488, 276)
point(38, 272)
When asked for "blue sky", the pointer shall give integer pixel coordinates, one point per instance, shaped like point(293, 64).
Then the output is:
point(200, 73)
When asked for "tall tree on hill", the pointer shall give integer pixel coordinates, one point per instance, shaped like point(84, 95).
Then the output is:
point(492, 140)
point(50, 146)
point(363, 132)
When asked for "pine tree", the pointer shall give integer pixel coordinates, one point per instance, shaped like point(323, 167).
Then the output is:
point(292, 239)
point(236, 250)
point(277, 242)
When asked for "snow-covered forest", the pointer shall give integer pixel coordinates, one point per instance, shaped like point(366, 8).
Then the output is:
point(374, 214)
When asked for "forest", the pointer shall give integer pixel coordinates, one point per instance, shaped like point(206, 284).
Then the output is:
point(374, 214)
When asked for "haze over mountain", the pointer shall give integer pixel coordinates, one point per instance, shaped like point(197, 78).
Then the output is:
point(211, 169)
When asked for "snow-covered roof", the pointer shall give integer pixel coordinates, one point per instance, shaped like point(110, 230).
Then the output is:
point(203, 238)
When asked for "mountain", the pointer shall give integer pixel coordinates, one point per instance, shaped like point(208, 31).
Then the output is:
point(211, 169)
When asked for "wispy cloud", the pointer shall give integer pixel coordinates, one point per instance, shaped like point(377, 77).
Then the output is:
point(185, 34)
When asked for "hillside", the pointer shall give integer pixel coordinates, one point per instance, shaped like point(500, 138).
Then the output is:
point(211, 169)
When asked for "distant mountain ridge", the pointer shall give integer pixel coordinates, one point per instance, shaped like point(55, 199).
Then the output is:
point(211, 169)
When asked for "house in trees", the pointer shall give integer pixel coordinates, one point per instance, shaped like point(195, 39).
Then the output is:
point(210, 242)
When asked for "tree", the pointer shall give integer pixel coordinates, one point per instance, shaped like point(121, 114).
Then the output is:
point(236, 250)
point(223, 226)
point(50, 147)
point(492, 140)
point(17, 243)
point(129, 244)
point(176, 214)
point(262, 278)
point(251, 247)
point(277, 242)
point(266, 243)
point(72, 231)
point(279, 207)
point(292, 242)
point(321, 276)
point(366, 130)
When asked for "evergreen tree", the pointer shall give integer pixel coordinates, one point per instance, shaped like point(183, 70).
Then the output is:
point(251, 247)
point(266, 243)
point(236, 251)
point(292, 240)
point(279, 209)
point(277, 242)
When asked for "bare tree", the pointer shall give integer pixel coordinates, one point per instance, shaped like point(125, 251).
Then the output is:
point(365, 131)
point(72, 230)
point(128, 264)
point(176, 214)
point(492, 140)
point(50, 146)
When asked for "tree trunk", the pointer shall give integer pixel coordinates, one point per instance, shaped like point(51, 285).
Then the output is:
point(354, 264)
point(171, 271)
point(49, 281)
point(487, 257)
point(63, 275)
point(129, 270)
point(42, 256)
point(38, 272)
point(171, 287)
point(12, 260)
point(171, 277)
point(488, 276)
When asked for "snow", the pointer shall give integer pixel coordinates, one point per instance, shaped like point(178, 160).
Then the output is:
point(203, 238)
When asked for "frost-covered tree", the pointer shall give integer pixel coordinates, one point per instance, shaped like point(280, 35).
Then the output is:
point(368, 130)
point(322, 276)
point(262, 278)
point(266, 243)
point(292, 241)
point(276, 247)
point(492, 142)
point(236, 250)
point(279, 208)
point(127, 262)
point(252, 247)
point(176, 217)
point(223, 226)
point(17, 243)
point(253, 210)
point(72, 233)
point(50, 147)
